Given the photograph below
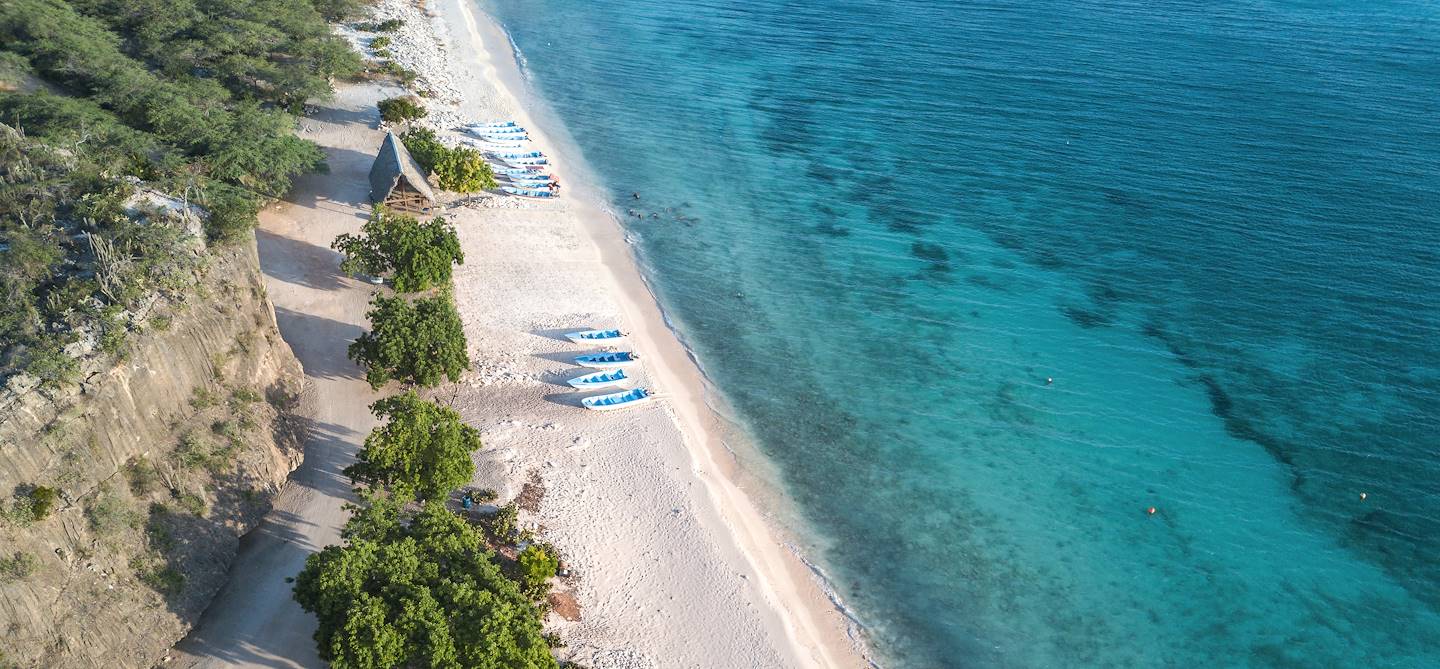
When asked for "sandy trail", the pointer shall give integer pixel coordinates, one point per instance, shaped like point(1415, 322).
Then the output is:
point(253, 622)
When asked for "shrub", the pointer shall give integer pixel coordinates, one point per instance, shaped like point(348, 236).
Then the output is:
point(109, 514)
point(163, 578)
point(462, 170)
point(196, 451)
point(42, 501)
point(405, 75)
point(142, 476)
point(192, 504)
point(19, 567)
point(417, 342)
point(388, 25)
point(418, 255)
point(422, 451)
point(380, 42)
point(501, 524)
point(537, 565)
point(401, 109)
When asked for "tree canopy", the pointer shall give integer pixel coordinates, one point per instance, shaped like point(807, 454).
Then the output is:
point(421, 452)
point(417, 255)
point(459, 169)
point(416, 342)
point(420, 591)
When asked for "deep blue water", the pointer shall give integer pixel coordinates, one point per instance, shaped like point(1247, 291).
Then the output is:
point(882, 224)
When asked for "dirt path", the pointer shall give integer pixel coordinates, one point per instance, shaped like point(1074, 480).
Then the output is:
point(253, 622)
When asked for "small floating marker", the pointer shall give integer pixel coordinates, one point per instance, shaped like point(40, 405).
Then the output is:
point(1049, 380)
point(1363, 496)
point(1150, 511)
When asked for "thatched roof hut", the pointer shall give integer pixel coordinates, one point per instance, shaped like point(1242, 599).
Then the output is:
point(397, 181)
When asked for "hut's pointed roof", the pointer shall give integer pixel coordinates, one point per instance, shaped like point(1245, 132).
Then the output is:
point(392, 164)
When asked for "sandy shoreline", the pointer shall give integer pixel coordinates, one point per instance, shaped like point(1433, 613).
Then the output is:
point(816, 633)
point(674, 565)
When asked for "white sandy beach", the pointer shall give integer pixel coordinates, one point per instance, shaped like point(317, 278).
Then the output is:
point(674, 565)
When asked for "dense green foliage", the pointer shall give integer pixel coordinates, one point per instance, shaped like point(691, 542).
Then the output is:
point(417, 592)
point(460, 169)
point(416, 255)
point(188, 96)
point(399, 110)
point(537, 565)
point(422, 451)
point(416, 342)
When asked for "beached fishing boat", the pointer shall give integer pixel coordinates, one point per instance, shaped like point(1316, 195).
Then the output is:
point(609, 378)
point(487, 132)
point(527, 161)
point(625, 400)
point(517, 155)
point(519, 171)
point(596, 336)
point(528, 192)
point(496, 124)
point(607, 360)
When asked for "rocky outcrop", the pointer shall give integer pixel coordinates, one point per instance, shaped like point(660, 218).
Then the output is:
point(163, 458)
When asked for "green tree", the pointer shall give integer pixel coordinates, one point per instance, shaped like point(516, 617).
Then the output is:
point(416, 342)
point(462, 169)
point(417, 255)
point(428, 594)
point(422, 451)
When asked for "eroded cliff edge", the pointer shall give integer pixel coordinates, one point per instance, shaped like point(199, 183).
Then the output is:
point(160, 459)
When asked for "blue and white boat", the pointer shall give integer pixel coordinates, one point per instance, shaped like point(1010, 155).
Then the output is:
point(495, 132)
point(608, 360)
point(495, 124)
point(625, 400)
point(596, 336)
point(508, 155)
point(527, 161)
point(607, 378)
point(519, 171)
point(527, 192)
point(518, 147)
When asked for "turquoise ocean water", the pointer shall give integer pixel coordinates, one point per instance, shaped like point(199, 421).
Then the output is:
point(882, 224)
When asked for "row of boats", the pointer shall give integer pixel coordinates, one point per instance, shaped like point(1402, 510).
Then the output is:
point(612, 372)
point(507, 146)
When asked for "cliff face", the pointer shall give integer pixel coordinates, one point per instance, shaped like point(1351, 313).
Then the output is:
point(162, 460)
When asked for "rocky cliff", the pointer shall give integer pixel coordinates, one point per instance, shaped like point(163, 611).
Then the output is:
point(124, 496)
